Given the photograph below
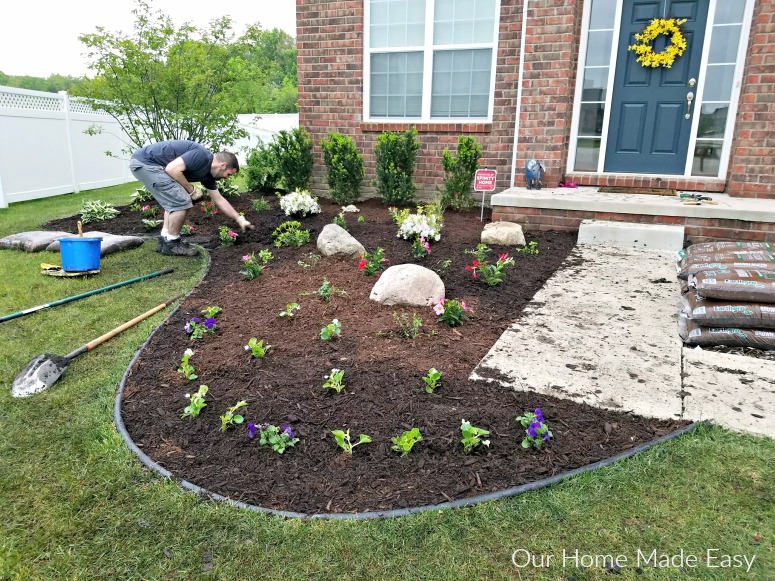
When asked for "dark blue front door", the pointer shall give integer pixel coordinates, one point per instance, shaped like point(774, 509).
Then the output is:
point(651, 109)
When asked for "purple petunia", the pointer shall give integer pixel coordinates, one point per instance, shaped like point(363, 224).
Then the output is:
point(196, 320)
point(547, 437)
point(533, 428)
point(187, 327)
point(288, 431)
point(539, 415)
point(209, 323)
point(252, 430)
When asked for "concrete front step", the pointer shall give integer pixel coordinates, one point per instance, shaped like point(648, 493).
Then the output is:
point(629, 235)
point(565, 208)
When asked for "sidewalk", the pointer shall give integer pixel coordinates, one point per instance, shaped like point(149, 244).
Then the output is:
point(605, 333)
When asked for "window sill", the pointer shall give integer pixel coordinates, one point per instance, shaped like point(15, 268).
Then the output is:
point(440, 127)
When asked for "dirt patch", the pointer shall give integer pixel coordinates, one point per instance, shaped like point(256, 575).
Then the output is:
point(383, 373)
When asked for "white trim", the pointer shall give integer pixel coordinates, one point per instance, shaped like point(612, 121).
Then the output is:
point(609, 92)
point(520, 81)
point(428, 49)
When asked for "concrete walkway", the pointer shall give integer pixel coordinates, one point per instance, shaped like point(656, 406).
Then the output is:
point(605, 333)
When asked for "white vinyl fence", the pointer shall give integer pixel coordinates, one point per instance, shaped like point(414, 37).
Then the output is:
point(45, 151)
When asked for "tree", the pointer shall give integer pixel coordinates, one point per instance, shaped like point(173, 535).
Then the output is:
point(164, 82)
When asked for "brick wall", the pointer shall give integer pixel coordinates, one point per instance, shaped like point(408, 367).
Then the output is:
point(696, 229)
point(330, 68)
point(752, 163)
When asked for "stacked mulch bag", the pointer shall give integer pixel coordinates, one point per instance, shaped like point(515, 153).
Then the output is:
point(728, 294)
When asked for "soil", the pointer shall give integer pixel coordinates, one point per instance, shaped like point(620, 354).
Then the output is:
point(384, 392)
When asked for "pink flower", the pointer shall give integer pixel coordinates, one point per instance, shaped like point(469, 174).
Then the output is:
point(363, 263)
point(475, 263)
point(232, 233)
point(468, 267)
point(463, 304)
point(438, 309)
point(442, 300)
point(503, 256)
point(476, 276)
point(146, 208)
point(246, 258)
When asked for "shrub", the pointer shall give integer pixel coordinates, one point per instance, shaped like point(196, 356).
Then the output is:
point(229, 188)
point(396, 159)
point(293, 152)
point(141, 195)
point(459, 173)
point(289, 234)
point(345, 168)
point(262, 170)
point(97, 210)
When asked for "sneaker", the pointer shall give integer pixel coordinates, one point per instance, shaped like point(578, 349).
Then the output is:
point(178, 248)
point(159, 243)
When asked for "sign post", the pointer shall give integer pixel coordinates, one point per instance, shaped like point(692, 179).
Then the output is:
point(484, 181)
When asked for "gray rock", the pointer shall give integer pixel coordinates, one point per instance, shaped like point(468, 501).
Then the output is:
point(335, 240)
point(503, 233)
point(408, 284)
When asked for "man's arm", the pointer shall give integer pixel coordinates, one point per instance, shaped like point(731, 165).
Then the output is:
point(175, 169)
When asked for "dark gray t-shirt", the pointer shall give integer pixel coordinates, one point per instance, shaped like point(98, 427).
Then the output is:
point(197, 159)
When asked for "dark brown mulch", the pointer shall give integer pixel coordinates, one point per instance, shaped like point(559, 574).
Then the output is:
point(384, 394)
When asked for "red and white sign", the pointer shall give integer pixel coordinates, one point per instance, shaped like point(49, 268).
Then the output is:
point(484, 180)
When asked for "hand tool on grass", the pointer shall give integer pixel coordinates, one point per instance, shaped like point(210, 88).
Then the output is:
point(82, 295)
point(44, 370)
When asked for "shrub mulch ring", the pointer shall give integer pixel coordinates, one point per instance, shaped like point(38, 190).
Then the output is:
point(384, 392)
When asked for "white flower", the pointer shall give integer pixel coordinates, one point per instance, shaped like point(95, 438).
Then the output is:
point(188, 352)
point(335, 321)
point(188, 395)
point(247, 347)
point(299, 202)
point(463, 422)
point(486, 442)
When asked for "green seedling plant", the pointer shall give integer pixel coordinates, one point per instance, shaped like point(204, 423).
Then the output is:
point(361, 219)
point(196, 403)
point(198, 328)
point(290, 234)
point(451, 311)
point(312, 258)
point(485, 271)
point(536, 429)
point(432, 380)
point(260, 205)
point(148, 211)
point(326, 291)
point(406, 441)
point(141, 195)
point(208, 208)
point(227, 235)
point(253, 266)
point(210, 312)
point(289, 310)
point(273, 437)
point(343, 440)
point(331, 331)
point(187, 230)
point(408, 329)
point(231, 418)
point(186, 368)
point(472, 437)
point(530, 248)
point(334, 380)
point(371, 263)
point(151, 224)
point(257, 348)
point(340, 221)
point(97, 210)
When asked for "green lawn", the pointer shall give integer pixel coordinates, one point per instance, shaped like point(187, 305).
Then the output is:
point(76, 504)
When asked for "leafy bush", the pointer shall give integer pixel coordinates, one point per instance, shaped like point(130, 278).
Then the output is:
point(459, 173)
point(141, 195)
point(97, 210)
point(229, 188)
point(345, 168)
point(262, 170)
point(289, 234)
point(396, 159)
point(293, 152)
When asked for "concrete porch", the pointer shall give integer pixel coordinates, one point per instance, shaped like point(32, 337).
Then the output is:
point(565, 208)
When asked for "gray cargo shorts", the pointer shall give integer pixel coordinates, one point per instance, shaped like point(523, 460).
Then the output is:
point(169, 193)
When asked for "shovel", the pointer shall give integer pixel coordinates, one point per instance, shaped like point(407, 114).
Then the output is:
point(44, 370)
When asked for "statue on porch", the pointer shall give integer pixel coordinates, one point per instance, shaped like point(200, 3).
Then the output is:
point(534, 174)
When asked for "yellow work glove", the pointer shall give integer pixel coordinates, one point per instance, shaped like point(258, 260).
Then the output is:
point(244, 224)
point(197, 194)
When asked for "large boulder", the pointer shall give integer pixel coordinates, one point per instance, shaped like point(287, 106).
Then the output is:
point(335, 240)
point(408, 284)
point(503, 234)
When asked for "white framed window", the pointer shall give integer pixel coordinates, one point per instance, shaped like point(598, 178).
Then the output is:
point(430, 60)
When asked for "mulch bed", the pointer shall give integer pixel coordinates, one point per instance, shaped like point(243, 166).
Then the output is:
point(385, 393)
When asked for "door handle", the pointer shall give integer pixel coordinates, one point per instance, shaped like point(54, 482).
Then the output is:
point(689, 99)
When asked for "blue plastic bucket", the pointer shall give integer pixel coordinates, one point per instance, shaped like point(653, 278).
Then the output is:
point(80, 254)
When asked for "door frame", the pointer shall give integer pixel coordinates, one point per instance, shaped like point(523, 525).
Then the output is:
point(733, 103)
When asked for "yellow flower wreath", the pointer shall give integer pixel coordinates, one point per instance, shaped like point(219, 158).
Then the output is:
point(646, 55)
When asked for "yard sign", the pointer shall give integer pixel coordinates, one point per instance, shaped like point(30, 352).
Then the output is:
point(484, 181)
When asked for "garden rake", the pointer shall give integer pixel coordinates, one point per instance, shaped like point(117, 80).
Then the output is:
point(44, 370)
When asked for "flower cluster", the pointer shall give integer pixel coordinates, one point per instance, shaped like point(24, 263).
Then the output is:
point(197, 327)
point(427, 226)
point(252, 266)
point(645, 51)
point(273, 437)
point(371, 263)
point(227, 235)
point(420, 247)
point(300, 203)
point(451, 311)
point(536, 429)
point(187, 230)
point(483, 270)
point(208, 208)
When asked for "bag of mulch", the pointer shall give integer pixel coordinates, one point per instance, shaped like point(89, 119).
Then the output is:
point(715, 313)
point(31, 241)
point(693, 335)
point(737, 284)
point(109, 244)
point(697, 262)
point(718, 247)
